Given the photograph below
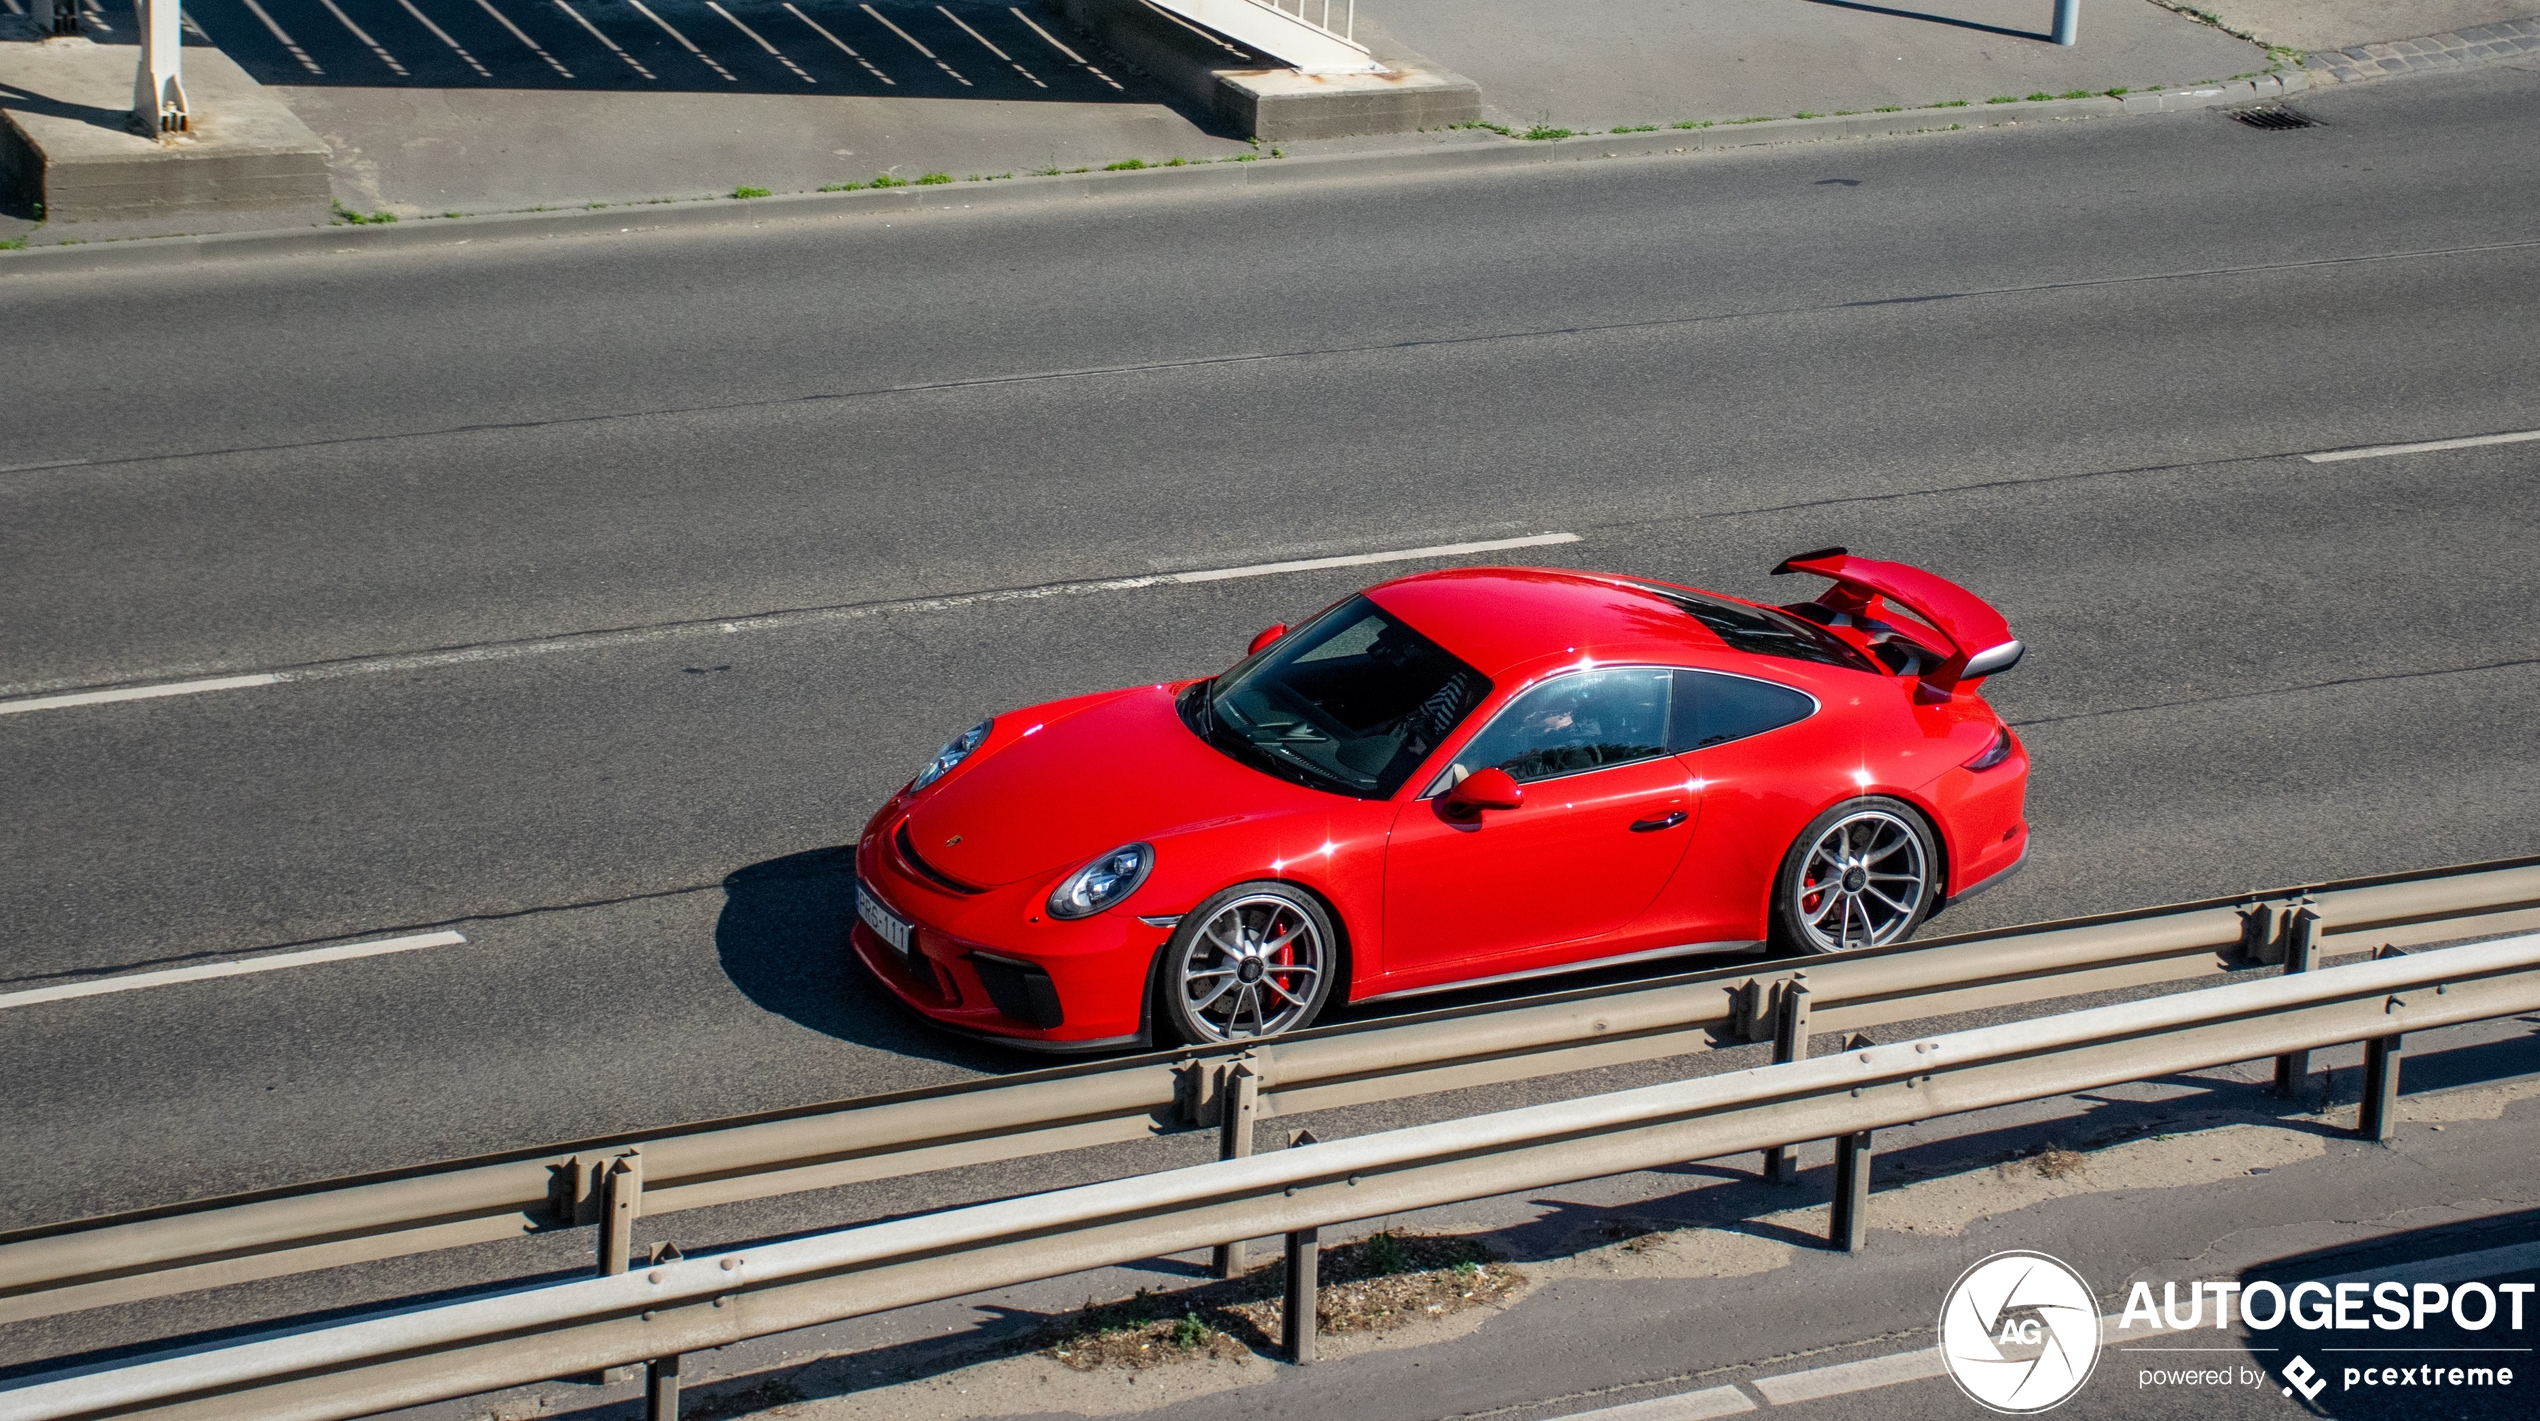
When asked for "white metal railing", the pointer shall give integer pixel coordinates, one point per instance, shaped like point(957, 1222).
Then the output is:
point(1293, 37)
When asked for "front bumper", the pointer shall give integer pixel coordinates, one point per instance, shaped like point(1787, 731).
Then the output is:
point(993, 963)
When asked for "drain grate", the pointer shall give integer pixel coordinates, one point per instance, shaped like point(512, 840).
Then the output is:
point(2273, 116)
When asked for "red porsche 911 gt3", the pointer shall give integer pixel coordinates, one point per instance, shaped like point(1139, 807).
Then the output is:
point(1453, 778)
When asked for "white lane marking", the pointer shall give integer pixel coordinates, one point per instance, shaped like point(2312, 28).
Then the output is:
point(137, 693)
point(283, 35)
point(1851, 1376)
point(773, 621)
point(708, 59)
point(762, 42)
point(596, 34)
point(363, 35)
point(913, 44)
point(1063, 49)
point(1688, 1406)
point(523, 36)
point(239, 968)
point(842, 44)
point(442, 35)
point(2381, 451)
point(992, 49)
point(1443, 550)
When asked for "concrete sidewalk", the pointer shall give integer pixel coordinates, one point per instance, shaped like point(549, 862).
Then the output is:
point(451, 107)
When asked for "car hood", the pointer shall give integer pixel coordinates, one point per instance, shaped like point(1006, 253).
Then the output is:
point(1121, 770)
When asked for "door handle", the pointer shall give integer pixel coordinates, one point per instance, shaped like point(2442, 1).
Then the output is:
point(1663, 821)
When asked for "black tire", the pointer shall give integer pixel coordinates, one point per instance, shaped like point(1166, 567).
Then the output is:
point(1865, 873)
point(1218, 985)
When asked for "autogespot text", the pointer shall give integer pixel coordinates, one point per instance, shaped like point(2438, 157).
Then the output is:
point(2375, 1308)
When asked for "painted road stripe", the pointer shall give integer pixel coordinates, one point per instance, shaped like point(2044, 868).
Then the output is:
point(1443, 550)
point(2381, 451)
point(1851, 1376)
point(138, 693)
point(102, 985)
point(1688, 1406)
point(812, 616)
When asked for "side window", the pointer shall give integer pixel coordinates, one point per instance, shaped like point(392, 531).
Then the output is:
point(1582, 721)
point(1712, 709)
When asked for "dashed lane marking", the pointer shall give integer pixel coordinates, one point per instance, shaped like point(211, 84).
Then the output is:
point(771, 621)
point(236, 968)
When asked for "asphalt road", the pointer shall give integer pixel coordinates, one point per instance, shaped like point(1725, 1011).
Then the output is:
point(2072, 368)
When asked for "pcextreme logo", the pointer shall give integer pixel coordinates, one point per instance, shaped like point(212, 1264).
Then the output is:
point(2019, 1332)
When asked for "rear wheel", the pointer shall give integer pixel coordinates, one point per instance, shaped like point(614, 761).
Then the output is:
point(1863, 874)
point(1251, 962)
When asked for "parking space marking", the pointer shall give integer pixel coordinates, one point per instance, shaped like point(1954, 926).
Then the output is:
point(1061, 48)
point(762, 42)
point(523, 36)
point(913, 44)
point(646, 11)
point(770, 621)
point(851, 51)
point(364, 36)
point(2383, 451)
point(602, 37)
point(992, 49)
point(283, 36)
point(442, 35)
point(237, 968)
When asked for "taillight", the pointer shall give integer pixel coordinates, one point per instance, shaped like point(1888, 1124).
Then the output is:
point(1995, 753)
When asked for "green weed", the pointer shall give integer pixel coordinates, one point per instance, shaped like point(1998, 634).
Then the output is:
point(2074, 94)
point(14, 244)
point(1545, 133)
point(1125, 165)
point(1385, 1255)
point(2039, 98)
point(2002, 99)
point(1759, 118)
point(841, 187)
point(1803, 113)
point(1243, 158)
point(1189, 1332)
point(746, 191)
point(1691, 123)
point(1638, 128)
point(888, 180)
point(1889, 108)
point(2118, 92)
point(346, 216)
point(1950, 104)
point(934, 179)
point(1503, 130)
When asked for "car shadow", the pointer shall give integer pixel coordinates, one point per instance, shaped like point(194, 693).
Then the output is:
point(782, 939)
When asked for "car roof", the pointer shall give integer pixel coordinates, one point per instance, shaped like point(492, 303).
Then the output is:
point(1503, 619)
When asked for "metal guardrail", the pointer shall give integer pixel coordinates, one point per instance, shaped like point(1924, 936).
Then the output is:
point(157, 1253)
point(459, 1349)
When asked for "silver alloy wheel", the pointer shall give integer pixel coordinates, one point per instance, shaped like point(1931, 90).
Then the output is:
point(1252, 969)
point(1862, 884)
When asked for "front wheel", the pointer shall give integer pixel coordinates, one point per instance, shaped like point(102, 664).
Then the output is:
point(1253, 961)
point(1862, 874)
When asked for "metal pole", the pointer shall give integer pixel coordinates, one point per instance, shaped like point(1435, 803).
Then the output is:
point(2301, 954)
point(620, 1204)
point(1790, 1043)
point(1851, 1192)
point(158, 83)
point(2067, 21)
point(1239, 1101)
point(1305, 1251)
point(2377, 1116)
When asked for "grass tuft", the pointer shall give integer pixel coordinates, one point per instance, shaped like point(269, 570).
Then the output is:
point(1637, 128)
point(747, 191)
point(1125, 165)
point(1759, 118)
point(1803, 113)
point(1546, 133)
point(1691, 123)
point(934, 179)
point(888, 180)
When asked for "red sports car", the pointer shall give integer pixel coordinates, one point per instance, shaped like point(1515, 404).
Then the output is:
point(1454, 778)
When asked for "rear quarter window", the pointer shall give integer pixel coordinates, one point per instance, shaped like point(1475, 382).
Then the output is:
point(1712, 708)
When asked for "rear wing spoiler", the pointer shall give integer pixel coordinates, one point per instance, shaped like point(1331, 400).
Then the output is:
point(1980, 641)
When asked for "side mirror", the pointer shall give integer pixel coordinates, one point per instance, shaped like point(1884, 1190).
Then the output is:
point(1484, 789)
point(1267, 635)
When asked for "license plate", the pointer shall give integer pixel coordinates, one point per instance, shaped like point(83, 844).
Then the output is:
point(886, 925)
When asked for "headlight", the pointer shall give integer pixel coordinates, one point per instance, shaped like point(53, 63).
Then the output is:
point(952, 754)
point(1103, 882)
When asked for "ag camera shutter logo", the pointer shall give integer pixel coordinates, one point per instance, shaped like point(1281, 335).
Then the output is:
point(2019, 1332)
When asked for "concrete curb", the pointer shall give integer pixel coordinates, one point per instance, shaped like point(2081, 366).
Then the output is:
point(1264, 173)
point(2480, 44)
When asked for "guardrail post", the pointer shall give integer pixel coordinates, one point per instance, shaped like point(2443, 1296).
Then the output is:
point(1305, 1253)
point(622, 1201)
point(2301, 954)
point(1239, 1103)
point(1851, 1192)
point(1790, 1043)
point(661, 1389)
point(2377, 1115)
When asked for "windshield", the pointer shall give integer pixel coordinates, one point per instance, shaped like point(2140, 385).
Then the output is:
point(1352, 702)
